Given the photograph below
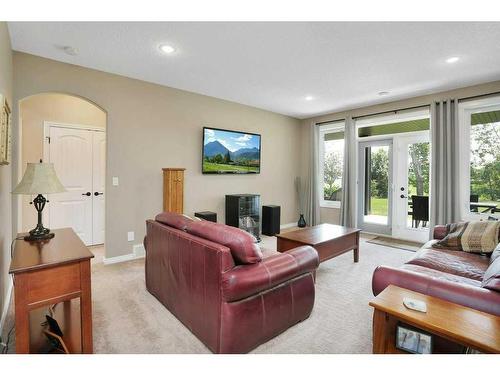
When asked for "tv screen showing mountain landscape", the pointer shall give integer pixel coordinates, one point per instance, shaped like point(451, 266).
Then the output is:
point(226, 151)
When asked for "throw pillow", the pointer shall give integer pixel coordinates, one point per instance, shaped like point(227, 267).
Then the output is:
point(495, 254)
point(472, 237)
point(491, 278)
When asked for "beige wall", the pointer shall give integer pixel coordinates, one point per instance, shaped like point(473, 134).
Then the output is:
point(60, 108)
point(332, 215)
point(150, 127)
point(5, 173)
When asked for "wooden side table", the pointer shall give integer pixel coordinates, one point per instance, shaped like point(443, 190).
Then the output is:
point(456, 323)
point(48, 273)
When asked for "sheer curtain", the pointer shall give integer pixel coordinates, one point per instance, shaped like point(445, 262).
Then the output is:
point(312, 213)
point(348, 204)
point(445, 182)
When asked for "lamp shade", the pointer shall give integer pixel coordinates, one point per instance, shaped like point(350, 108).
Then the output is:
point(39, 178)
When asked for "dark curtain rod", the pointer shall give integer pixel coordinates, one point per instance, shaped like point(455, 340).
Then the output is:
point(392, 111)
point(478, 96)
point(408, 108)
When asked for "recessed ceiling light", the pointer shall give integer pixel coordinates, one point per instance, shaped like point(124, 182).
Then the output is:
point(452, 60)
point(309, 98)
point(166, 48)
point(383, 93)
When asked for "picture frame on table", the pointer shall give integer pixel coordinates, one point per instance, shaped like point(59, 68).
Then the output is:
point(5, 131)
point(413, 341)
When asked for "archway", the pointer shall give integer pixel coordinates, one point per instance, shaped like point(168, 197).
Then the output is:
point(46, 122)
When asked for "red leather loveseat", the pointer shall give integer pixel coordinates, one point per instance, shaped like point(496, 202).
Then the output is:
point(213, 279)
point(464, 278)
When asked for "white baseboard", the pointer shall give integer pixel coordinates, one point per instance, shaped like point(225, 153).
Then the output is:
point(6, 305)
point(137, 253)
point(289, 225)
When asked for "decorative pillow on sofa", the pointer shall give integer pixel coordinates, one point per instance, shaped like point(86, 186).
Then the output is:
point(491, 278)
point(472, 236)
point(495, 254)
point(242, 244)
point(174, 220)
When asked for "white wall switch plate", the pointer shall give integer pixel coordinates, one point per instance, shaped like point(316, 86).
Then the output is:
point(115, 181)
point(130, 236)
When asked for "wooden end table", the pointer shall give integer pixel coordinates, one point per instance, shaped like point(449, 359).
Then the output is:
point(456, 323)
point(329, 240)
point(48, 273)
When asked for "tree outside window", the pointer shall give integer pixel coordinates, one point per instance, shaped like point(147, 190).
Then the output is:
point(485, 163)
point(333, 165)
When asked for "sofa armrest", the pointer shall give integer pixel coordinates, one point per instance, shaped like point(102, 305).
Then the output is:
point(439, 232)
point(246, 280)
point(474, 297)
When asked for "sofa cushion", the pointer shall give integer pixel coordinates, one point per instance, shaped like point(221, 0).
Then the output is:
point(471, 266)
point(242, 244)
point(491, 279)
point(473, 236)
point(429, 272)
point(174, 220)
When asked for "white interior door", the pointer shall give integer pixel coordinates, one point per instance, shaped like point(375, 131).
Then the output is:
point(79, 157)
point(99, 185)
point(71, 152)
point(411, 182)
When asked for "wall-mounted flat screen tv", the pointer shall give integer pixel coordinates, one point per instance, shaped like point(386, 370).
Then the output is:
point(230, 152)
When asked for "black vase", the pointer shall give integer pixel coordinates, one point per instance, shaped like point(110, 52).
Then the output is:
point(302, 221)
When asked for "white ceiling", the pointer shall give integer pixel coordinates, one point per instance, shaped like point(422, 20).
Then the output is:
point(275, 65)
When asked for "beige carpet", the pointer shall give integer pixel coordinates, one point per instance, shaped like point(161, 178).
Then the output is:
point(127, 319)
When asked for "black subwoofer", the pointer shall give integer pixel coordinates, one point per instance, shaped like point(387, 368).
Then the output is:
point(271, 220)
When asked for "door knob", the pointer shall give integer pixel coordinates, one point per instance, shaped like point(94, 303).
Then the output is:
point(403, 196)
point(88, 194)
point(97, 193)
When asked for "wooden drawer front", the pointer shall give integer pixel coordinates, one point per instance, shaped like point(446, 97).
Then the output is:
point(53, 282)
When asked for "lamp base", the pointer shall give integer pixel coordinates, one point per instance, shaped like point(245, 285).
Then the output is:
point(39, 234)
point(39, 238)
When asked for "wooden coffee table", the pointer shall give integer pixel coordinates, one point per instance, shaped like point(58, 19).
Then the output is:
point(460, 324)
point(329, 240)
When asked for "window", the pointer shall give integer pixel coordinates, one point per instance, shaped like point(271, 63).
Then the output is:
point(485, 162)
point(331, 163)
point(480, 163)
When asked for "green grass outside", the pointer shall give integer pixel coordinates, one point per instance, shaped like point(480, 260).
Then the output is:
point(379, 206)
point(214, 167)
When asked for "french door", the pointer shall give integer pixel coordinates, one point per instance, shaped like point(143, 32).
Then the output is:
point(375, 186)
point(79, 161)
point(411, 183)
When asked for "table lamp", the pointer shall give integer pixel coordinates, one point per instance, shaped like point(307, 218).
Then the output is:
point(39, 178)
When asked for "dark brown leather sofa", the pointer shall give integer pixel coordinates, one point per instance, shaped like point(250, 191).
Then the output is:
point(464, 278)
point(213, 279)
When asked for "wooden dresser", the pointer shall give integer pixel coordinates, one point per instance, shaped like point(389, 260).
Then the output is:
point(173, 190)
point(53, 273)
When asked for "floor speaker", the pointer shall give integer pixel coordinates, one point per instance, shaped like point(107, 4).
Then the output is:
point(271, 220)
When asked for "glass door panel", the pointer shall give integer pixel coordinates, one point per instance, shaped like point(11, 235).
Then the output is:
point(375, 186)
point(412, 159)
point(418, 185)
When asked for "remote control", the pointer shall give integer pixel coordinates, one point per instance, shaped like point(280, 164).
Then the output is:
point(415, 304)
